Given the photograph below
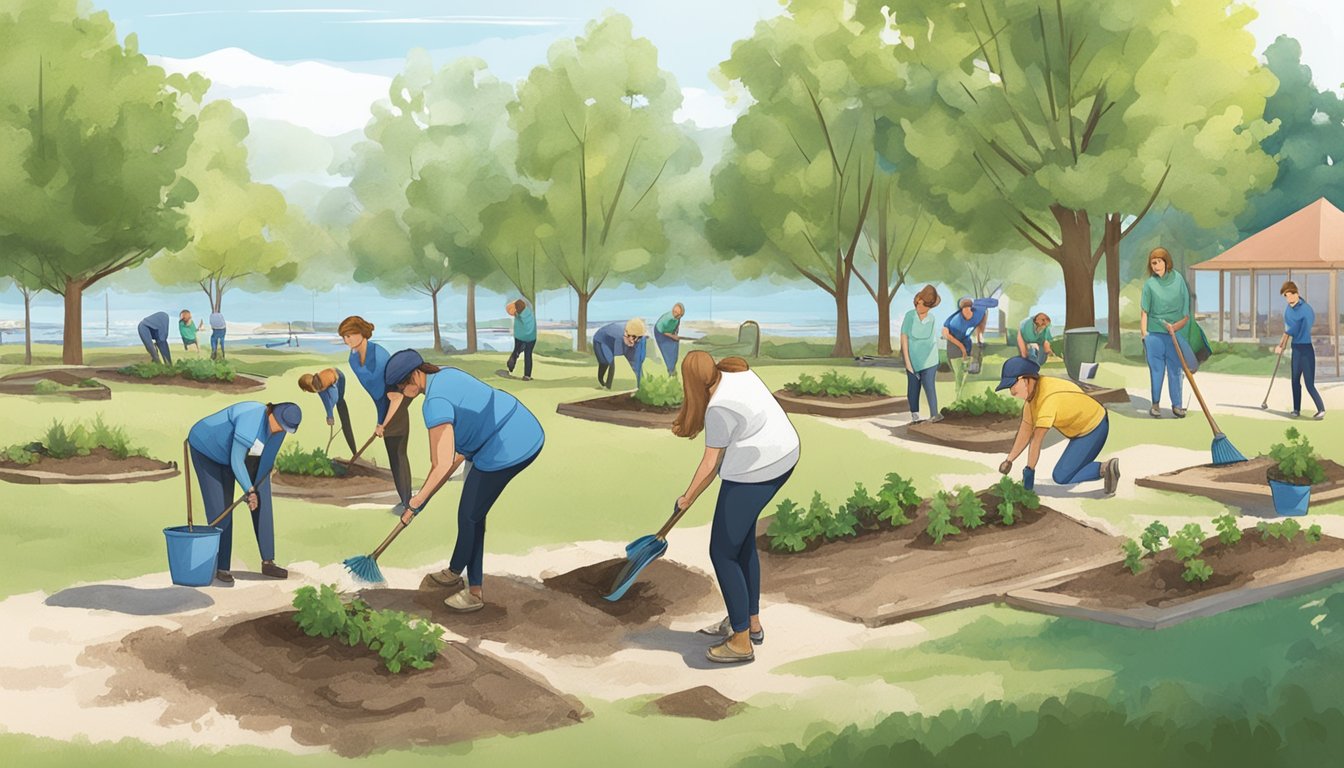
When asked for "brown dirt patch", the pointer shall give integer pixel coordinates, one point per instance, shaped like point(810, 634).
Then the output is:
point(563, 615)
point(1160, 584)
point(1334, 475)
point(24, 383)
point(622, 409)
point(701, 702)
point(986, 433)
point(843, 399)
point(269, 675)
point(242, 382)
point(625, 402)
point(359, 479)
point(100, 461)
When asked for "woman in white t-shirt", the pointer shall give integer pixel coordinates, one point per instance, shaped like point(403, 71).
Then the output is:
point(753, 447)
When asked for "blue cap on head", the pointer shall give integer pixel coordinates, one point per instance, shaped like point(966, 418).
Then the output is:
point(401, 365)
point(1015, 367)
point(288, 414)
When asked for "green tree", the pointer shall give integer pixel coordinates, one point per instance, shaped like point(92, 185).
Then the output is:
point(595, 139)
point(511, 239)
point(28, 287)
point(92, 138)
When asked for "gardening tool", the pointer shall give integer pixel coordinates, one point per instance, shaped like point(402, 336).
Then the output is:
point(973, 367)
point(1264, 404)
point(235, 503)
point(365, 567)
point(1224, 452)
point(639, 553)
point(331, 435)
point(353, 459)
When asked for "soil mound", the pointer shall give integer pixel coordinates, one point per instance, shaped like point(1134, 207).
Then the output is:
point(100, 461)
point(700, 702)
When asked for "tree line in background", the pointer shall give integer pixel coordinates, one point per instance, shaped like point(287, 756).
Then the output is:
point(965, 144)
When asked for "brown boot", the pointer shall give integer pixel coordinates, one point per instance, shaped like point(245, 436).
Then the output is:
point(224, 576)
point(269, 568)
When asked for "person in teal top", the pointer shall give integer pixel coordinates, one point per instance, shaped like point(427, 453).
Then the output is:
point(665, 335)
point(524, 335)
point(1165, 307)
point(1034, 337)
point(238, 445)
point(468, 420)
point(1298, 318)
point(187, 330)
point(919, 347)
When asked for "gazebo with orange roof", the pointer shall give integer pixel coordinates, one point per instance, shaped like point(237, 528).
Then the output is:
point(1307, 248)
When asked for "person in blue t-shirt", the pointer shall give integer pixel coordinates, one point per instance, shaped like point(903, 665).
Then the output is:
point(367, 361)
point(614, 339)
point(524, 335)
point(153, 332)
point(239, 445)
point(468, 420)
point(1297, 321)
point(969, 319)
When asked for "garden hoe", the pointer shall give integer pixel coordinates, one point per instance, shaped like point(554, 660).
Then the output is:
point(1224, 452)
point(1264, 404)
point(639, 553)
point(351, 461)
point(365, 567)
point(186, 470)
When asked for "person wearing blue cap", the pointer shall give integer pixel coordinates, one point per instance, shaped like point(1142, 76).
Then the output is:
point(239, 445)
point(153, 332)
point(969, 320)
point(468, 420)
point(1049, 402)
point(368, 361)
point(627, 340)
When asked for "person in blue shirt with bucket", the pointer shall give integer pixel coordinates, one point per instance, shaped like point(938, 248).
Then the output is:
point(468, 420)
point(524, 336)
point(239, 445)
point(666, 335)
point(329, 385)
point(614, 339)
point(367, 361)
point(969, 320)
point(153, 332)
point(1298, 318)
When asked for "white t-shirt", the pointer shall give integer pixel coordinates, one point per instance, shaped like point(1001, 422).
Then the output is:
point(744, 418)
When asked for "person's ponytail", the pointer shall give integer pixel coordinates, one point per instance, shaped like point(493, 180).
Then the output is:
point(699, 374)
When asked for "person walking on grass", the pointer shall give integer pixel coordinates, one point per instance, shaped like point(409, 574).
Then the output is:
point(968, 321)
point(919, 347)
point(524, 335)
point(1034, 337)
point(187, 330)
point(367, 361)
point(467, 420)
point(1049, 402)
point(628, 340)
point(239, 445)
point(665, 335)
point(329, 385)
point(1165, 307)
point(218, 329)
point(1298, 318)
point(153, 332)
point(753, 448)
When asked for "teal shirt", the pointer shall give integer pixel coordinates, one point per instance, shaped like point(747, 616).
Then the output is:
point(1029, 335)
point(187, 330)
point(525, 325)
point(667, 323)
point(1166, 299)
point(923, 336)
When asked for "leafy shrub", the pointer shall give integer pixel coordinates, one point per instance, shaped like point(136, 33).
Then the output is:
point(89, 384)
point(793, 529)
point(19, 454)
point(863, 507)
point(1283, 529)
point(1228, 532)
point(47, 387)
point(835, 384)
point(62, 441)
point(1153, 537)
point(1296, 460)
point(897, 495)
point(940, 517)
point(315, 463)
point(400, 639)
point(970, 512)
point(199, 369)
point(1013, 494)
point(659, 391)
point(1133, 556)
point(786, 531)
point(818, 513)
point(843, 522)
point(988, 402)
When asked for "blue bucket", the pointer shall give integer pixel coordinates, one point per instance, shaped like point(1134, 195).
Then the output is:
point(1289, 499)
point(192, 554)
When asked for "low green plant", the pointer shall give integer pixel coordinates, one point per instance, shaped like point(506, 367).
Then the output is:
point(988, 402)
point(1312, 534)
point(89, 384)
point(198, 369)
point(315, 463)
point(659, 391)
point(940, 517)
point(1012, 494)
point(62, 441)
point(19, 454)
point(897, 496)
point(1188, 545)
point(1296, 460)
point(1196, 570)
point(786, 531)
point(835, 384)
point(817, 517)
point(843, 522)
point(969, 511)
point(1286, 530)
point(400, 639)
point(47, 387)
point(1133, 556)
point(1228, 532)
point(863, 507)
point(1153, 537)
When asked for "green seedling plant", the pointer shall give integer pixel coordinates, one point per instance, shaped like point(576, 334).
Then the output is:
point(835, 384)
point(1188, 545)
point(1228, 532)
point(1153, 537)
point(940, 517)
point(1312, 534)
point(969, 511)
point(897, 496)
point(988, 402)
point(315, 463)
point(1296, 460)
point(863, 507)
point(818, 516)
point(1012, 495)
point(843, 522)
point(1133, 556)
point(1286, 530)
point(400, 639)
point(659, 391)
point(62, 441)
point(786, 531)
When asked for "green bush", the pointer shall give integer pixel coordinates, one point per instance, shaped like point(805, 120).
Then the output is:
point(1154, 536)
point(1312, 534)
point(835, 384)
point(47, 387)
point(1013, 494)
point(1196, 570)
point(659, 391)
point(199, 369)
point(897, 496)
point(1296, 460)
point(940, 517)
point(19, 454)
point(1133, 556)
point(62, 441)
point(400, 639)
point(315, 463)
point(1228, 532)
point(792, 529)
point(988, 402)
point(89, 384)
point(863, 507)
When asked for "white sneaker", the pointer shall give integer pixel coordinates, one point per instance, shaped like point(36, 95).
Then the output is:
point(464, 602)
point(1320, 415)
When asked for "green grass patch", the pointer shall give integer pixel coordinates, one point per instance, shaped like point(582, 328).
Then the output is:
point(832, 383)
point(49, 387)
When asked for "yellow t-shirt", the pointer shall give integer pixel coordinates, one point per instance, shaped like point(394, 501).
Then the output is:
point(1063, 405)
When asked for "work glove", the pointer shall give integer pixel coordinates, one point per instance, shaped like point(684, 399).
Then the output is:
point(1028, 478)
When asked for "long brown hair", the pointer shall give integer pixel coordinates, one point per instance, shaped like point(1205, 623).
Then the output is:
point(699, 374)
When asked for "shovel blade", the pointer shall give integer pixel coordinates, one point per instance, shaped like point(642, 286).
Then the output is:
point(638, 544)
point(625, 578)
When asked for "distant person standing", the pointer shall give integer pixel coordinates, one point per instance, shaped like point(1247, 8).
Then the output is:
point(187, 330)
point(524, 335)
point(665, 335)
point(1297, 321)
point(1034, 337)
point(614, 339)
point(919, 347)
point(1164, 311)
point(217, 330)
point(153, 332)
point(368, 360)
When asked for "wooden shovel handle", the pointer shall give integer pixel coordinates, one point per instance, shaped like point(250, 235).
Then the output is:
point(360, 452)
point(677, 513)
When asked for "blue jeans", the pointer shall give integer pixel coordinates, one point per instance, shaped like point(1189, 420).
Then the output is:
point(217, 493)
point(732, 545)
point(1079, 462)
point(1162, 360)
point(479, 493)
point(1036, 355)
point(216, 342)
point(155, 346)
point(669, 349)
point(1304, 368)
point(922, 379)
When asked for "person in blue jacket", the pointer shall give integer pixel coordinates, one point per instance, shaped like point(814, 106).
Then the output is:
point(367, 361)
point(614, 339)
point(329, 385)
point(1298, 318)
point(970, 319)
point(468, 420)
point(154, 334)
point(239, 445)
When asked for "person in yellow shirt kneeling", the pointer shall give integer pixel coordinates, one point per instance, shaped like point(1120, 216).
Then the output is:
point(1049, 402)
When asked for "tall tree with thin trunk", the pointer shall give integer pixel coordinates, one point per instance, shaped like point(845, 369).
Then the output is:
point(27, 292)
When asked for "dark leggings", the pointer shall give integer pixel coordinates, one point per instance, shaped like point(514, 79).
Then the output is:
point(397, 436)
point(732, 545)
point(218, 490)
point(1304, 370)
point(479, 493)
point(523, 348)
point(606, 373)
point(343, 411)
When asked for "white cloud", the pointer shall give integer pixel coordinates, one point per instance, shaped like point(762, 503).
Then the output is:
point(274, 10)
point(707, 109)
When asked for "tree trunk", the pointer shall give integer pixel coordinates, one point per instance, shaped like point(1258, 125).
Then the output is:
point(72, 334)
point(843, 347)
point(27, 328)
point(884, 291)
point(1074, 256)
point(1110, 244)
point(438, 341)
point(471, 316)
point(582, 329)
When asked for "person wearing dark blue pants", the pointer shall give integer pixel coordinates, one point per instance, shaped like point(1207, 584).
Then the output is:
point(153, 332)
point(480, 491)
point(732, 546)
point(1297, 321)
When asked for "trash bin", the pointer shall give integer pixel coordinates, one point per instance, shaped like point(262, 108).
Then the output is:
point(1080, 346)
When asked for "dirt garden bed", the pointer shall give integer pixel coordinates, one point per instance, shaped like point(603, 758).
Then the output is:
point(882, 577)
point(986, 433)
point(362, 483)
point(563, 615)
point(1243, 484)
point(99, 466)
point(242, 382)
point(268, 674)
point(1249, 571)
point(63, 382)
point(622, 409)
point(845, 407)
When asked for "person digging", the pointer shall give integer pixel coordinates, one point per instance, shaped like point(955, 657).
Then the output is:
point(1049, 402)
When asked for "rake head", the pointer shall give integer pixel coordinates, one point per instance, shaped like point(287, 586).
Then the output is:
point(366, 569)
